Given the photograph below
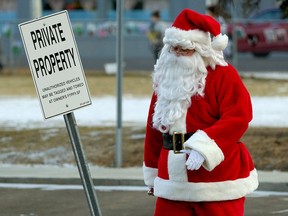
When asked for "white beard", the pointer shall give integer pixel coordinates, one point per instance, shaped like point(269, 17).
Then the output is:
point(176, 80)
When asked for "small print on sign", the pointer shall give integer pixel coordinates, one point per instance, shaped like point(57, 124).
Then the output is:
point(55, 64)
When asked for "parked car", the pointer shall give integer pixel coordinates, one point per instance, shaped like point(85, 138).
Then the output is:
point(262, 33)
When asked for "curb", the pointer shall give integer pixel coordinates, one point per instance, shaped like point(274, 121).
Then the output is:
point(72, 181)
point(69, 175)
point(263, 186)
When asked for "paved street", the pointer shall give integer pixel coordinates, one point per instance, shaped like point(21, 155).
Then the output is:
point(70, 200)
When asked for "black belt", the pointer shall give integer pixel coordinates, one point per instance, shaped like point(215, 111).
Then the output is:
point(175, 141)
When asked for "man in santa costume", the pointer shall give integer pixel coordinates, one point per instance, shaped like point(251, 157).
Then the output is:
point(194, 160)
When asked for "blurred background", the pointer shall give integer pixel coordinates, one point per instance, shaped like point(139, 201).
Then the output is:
point(258, 48)
point(257, 29)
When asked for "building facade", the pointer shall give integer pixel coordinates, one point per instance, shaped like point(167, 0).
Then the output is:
point(95, 27)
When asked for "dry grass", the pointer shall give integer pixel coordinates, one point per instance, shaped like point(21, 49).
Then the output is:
point(134, 83)
point(266, 87)
point(268, 146)
point(100, 84)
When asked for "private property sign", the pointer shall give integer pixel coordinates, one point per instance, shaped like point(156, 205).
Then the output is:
point(55, 64)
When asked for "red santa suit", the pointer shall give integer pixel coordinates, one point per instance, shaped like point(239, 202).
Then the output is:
point(217, 121)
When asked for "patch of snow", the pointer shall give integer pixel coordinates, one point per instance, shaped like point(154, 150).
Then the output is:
point(20, 113)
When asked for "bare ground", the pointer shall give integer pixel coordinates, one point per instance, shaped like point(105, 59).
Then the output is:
point(268, 146)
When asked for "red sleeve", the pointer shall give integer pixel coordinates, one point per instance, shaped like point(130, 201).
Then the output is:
point(153, 139)
point(227, 94)
point(235, 109)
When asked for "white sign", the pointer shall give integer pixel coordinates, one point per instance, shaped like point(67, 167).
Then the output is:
point(55, 64)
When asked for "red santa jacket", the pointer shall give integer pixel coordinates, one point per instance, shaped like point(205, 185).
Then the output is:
point(218, 121)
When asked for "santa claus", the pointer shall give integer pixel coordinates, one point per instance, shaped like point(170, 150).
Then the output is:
point(194, 160)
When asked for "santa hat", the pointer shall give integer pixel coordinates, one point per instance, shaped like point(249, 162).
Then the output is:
point(190, 26)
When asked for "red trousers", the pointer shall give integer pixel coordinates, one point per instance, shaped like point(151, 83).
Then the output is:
point(166, 207)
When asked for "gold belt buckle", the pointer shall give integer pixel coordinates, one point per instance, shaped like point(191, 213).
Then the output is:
point(178, 139)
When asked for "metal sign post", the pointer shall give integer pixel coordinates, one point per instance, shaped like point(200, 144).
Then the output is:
point(119, 60)
point(82, 164)
point(60, 82)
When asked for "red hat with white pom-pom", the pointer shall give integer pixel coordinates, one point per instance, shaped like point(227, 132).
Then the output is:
point(192, 27)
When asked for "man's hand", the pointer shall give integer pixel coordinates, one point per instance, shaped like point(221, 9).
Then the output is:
point(195, 159)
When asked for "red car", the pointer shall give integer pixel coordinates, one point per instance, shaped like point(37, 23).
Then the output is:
point(263, 33)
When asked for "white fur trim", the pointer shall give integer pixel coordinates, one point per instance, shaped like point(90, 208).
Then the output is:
point(149, 175)
point(175, 36)
point(220, 42)
point(207, 147)
point(176, 167)
point(212, 191)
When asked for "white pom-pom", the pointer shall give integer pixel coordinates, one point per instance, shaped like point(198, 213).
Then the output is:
point(220, 42)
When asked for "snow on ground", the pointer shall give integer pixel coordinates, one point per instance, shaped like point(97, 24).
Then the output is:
point(25, 112)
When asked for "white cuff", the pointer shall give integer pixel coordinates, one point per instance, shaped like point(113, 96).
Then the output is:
point(149, 175)
point(207, 147)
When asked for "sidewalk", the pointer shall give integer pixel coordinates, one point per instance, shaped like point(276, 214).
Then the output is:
point(45, 174)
